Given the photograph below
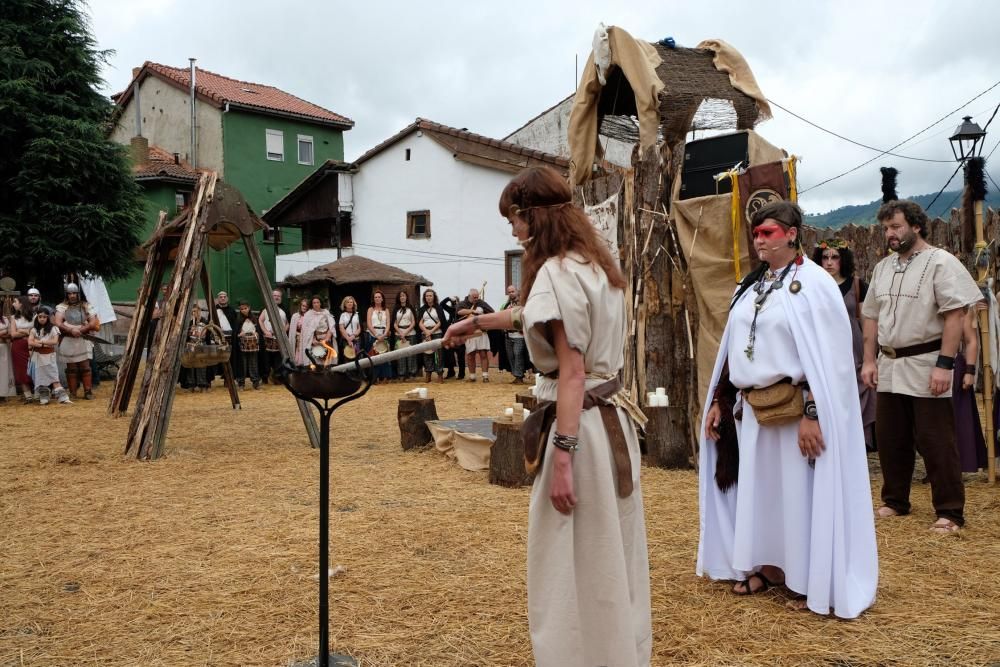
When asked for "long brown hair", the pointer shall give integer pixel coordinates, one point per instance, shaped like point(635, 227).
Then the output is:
point(543, 199)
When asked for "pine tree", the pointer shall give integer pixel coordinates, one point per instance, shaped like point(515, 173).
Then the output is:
point(68, 202)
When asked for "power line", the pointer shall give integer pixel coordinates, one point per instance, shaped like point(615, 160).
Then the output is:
point(908, 139)
point(852, 141)
point(992, 181)
point(945, 186)
point(427, 252)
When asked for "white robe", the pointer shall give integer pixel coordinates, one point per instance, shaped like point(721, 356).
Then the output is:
point(816, 524)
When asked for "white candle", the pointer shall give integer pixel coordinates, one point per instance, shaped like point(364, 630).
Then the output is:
point(422, 392)
point(534, 390)
point(524, 413)
point(508, 412)
point(651, 399)
point(666, 401)
point(661, 391)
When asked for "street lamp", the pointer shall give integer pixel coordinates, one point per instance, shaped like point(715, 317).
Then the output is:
point(967, 142)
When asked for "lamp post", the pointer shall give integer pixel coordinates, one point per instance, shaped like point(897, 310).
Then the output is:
point(967, 146)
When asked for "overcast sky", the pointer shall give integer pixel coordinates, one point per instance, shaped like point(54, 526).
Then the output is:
point(876, 72)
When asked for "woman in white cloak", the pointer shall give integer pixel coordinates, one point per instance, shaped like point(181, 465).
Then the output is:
point(799, 512)
point(588, 570)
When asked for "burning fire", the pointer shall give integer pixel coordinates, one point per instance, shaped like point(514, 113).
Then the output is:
point(331, 354)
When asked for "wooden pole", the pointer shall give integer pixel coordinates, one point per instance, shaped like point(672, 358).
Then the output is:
point(982, 268)
point(156, 263)
point(284, 344)
point(213, 315)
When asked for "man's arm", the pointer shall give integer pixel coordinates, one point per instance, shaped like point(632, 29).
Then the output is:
point(941, 377)
point(869, 369)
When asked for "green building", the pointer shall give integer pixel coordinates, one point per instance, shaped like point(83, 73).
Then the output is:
point(258, 138)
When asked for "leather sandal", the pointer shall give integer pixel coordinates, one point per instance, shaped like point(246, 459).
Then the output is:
point(764, 581)
point(948, 527)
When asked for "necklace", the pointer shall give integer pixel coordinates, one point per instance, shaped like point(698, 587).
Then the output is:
point(900, 267)
point(758, 303)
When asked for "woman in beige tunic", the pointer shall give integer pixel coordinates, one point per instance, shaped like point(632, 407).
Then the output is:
point(588, 570)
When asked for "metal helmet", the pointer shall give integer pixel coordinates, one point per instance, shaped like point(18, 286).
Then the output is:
point(72, 287)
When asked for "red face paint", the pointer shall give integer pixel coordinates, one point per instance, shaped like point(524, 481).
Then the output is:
point(768, 231)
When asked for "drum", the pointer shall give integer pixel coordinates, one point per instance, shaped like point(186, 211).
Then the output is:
point(349, 353)
point(380, 346)
point(271, 344)
point(249, 342)
point(318, 352)
point(402, 344)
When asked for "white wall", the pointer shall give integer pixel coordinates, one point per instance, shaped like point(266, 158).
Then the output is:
point(166, 122)
point(550, 133)
point(465, 220)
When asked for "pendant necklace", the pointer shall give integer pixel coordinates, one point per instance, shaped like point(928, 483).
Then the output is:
point(758, 303)
point(900, 267)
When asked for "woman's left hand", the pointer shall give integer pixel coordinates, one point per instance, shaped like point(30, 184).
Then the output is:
point(561, 484)
point(967, 381)
point(810, 438)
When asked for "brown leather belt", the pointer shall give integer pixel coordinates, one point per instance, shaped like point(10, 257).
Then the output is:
point(911, 350)
point(535, 433)
point(47, 349)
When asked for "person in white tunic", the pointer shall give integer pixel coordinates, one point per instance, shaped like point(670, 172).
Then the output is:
point(792, 505)
point(43, 340)
point(588, 569)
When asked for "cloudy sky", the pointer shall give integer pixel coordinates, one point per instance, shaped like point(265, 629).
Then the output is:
point(875, 72)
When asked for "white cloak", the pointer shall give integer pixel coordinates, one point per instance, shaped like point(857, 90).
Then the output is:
point(816, 524)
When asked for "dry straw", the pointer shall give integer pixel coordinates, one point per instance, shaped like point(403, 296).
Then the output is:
point(208, 557)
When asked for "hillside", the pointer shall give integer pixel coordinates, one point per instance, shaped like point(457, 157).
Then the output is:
point(864, 214)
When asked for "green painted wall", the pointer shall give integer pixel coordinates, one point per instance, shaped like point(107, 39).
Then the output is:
point(263, 182)
point(158, 197)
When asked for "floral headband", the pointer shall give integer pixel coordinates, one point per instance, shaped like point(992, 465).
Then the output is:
point(834, 244)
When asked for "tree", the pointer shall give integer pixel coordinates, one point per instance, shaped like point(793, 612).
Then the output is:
point(68, 202)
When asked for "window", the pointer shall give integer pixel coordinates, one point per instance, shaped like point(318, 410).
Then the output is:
point(407, 154)
point(305, 149)
point(272, 235)
point(512, 267)
point(275, 145)
point(180, 200)
point(418, 225)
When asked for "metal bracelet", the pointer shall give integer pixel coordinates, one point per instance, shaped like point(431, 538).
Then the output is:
point(515, 318)
point(567, 443)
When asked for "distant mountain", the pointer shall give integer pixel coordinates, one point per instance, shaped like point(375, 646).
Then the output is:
point(864, 214)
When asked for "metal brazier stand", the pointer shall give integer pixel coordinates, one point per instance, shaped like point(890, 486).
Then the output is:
point(328, 388)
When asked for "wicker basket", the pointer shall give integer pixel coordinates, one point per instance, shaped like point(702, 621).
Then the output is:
point(203, 355)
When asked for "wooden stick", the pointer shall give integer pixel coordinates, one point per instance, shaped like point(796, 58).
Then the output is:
point(213, 317)
point(284, 344)
point(983, 270)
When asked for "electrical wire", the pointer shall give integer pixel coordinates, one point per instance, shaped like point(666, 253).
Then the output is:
point(427, 252)
point(945, 186)
point(904, 141)
point(852, 141)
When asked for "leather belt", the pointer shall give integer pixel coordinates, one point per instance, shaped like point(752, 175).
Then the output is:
point(535, 433)
point(911, 350)
point(47, 349)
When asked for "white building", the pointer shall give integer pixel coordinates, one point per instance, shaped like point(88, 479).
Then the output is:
point(424, 200)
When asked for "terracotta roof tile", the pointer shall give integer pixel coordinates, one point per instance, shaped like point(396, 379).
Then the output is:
point(221, 89)
point(161, 164)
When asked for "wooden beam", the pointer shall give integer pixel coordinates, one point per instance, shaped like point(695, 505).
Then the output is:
point(284, 344)
point(213, 317)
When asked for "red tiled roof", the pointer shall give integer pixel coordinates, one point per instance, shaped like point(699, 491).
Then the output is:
point(528, 154)
point(220, 89)
point(161, 164)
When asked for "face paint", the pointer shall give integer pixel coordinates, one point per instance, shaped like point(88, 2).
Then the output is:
point(768, 231)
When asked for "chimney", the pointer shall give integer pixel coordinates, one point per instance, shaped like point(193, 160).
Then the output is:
point(194, 118)
point(135, 71)
point(139, 150)
point(177, 158)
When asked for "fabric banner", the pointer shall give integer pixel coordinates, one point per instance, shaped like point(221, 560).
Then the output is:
point(468, 442)
point(604, 217)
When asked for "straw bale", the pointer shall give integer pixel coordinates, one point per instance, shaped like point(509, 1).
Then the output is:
point(208, 556)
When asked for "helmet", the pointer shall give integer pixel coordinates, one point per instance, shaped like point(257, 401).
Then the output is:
point(72, 287)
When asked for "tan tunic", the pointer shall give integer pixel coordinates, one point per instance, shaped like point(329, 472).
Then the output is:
point(588, 573)
point(909, 306)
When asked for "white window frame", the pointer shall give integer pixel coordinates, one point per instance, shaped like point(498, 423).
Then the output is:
point(305, 139)
point(269, 136)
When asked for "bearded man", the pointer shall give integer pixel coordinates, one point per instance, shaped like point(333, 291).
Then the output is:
point(913, 317)
point(76, 318)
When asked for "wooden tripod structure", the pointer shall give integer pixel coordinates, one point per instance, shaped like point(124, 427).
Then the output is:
point(218, 217)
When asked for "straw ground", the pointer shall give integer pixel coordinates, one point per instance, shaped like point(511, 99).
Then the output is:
point(208, 556)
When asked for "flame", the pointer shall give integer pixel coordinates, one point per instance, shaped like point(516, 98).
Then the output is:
point(331, 354)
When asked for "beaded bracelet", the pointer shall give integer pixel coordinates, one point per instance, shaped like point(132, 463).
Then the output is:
point(567, 443)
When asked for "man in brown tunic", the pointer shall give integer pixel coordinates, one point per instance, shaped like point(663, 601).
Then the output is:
point(913, 318)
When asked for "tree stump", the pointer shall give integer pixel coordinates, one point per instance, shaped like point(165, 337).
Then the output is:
point(529, 401)
point(667, 441)
point(507, 456)
point(413, 415)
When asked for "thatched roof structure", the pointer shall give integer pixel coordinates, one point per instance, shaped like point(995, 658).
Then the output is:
point(356, 269)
